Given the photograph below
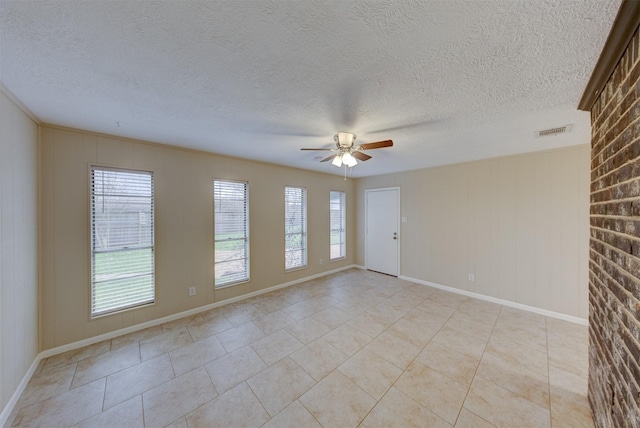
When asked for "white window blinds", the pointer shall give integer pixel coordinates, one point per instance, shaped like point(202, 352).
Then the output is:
point(337, 225)
point(122, 241)
point(295, 227)
point(231, 222)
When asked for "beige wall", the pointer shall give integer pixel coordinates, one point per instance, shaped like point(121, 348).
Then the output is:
point(520, 224)
point(18, 246)
point(184, 227)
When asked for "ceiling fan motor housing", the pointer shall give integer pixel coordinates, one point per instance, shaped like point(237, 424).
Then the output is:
point(344, 139)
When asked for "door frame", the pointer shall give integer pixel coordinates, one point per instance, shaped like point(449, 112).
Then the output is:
point(366, 225)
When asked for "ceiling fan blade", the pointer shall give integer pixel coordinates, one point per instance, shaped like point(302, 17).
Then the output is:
point(316, 149)
point(328, 158)
point(376, 145)
point(361, 156)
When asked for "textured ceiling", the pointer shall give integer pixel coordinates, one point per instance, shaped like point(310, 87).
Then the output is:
point(448, 80)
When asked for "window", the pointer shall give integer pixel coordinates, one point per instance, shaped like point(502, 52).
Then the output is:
point(295, 227)
point(337, 225)
point(122, 249)
point(231, 222)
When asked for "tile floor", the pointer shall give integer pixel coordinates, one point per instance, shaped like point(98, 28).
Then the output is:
point(352, 349)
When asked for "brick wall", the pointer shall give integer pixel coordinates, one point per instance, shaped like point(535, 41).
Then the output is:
point(614, 267)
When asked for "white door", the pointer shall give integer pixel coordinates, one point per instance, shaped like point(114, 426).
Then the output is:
point(382, 230)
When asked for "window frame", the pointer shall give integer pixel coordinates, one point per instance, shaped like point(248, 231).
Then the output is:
point(95, 312)
point(247, 242)
point(303, 232)
point(343, 225)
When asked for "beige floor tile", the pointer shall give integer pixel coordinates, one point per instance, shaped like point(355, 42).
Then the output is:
point(280, 385)
point(237, 337)
point(196, 354)
point(337, 402)
point(472, 346)
point(522, 319)
point(570, 357)
point(272, 304)
point(413, 331)
point(333, 317)
point(518, 355)
point(570, 410)
point(468, 419)
point(234, 368)
point(163, 343)
point(569, 402)
point(76, 355)
point(276, 346)
point(319, 358)
point(180, 323)
point(125, 415)
point(470, 324)
point(237, 407)
point(177, 397)
point(501, 407)
point(437, 309)
point(273, 322)
point(208, 325)
point(347, 339)
point(304, 309)
point(516, 378)
point(65, 409)
point(47, 384)
point(522, 327)
point(532, 337)
point(242, 313)
point(454, 364)
point(371, 372)
point(480, 308)
point(357, 304)
point(393, 349)
point(102, 365)
point(180, 423)
point(387, 313)
point(308, 330)
point(447, 298)
point(438, 393)
point(398, 410)
point(368, 324)
point(568, 381)
point(137, 379)
point(135, 337)
point(294, 416)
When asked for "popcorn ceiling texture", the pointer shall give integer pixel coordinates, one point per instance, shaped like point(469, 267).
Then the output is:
point(449, 81)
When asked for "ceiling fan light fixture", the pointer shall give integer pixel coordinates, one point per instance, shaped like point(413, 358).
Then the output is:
point(349, 160)
point(345, 139)
point(337, 161)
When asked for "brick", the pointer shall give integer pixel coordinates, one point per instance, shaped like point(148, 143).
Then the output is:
point(614, 247)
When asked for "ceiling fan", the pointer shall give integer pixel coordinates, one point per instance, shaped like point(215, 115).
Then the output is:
point(347, 153)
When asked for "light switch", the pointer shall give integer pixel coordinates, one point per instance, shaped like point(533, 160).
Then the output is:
point(404, 219)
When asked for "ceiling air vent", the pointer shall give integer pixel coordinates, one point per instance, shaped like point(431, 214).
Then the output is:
point(554, 131)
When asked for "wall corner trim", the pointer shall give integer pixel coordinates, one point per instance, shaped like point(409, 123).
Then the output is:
point(19, 104)
point(623, 28)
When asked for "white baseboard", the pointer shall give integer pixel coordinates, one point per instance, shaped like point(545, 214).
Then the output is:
point(508, 303)
point(6, 412)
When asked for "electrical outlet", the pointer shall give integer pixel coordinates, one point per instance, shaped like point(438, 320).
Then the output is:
point(472, 277)
point(192, 291)
point(321, 261)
